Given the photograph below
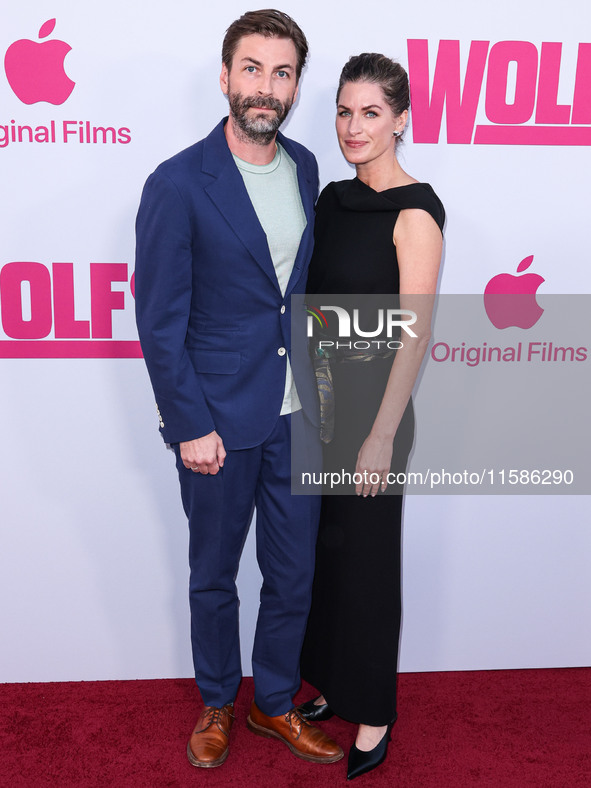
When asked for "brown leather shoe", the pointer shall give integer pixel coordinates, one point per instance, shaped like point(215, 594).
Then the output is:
point(304, 740)
point(208, 745)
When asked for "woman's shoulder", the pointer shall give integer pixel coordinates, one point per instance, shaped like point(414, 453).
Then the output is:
point(331, 197)
point(333, 189)
point(420, 195)
point(355, 195)
point(351, 195)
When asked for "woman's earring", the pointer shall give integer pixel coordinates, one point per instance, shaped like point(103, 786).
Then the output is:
point(396, 133)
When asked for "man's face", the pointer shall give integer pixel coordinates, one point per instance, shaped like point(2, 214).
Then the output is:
point(261, 86)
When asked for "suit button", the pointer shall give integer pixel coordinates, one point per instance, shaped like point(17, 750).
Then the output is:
point(281, 351)
point(283, 309)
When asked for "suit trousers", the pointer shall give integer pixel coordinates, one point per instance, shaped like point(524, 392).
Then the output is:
point(219, 509)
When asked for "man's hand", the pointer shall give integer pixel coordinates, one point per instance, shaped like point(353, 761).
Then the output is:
point(203, 455)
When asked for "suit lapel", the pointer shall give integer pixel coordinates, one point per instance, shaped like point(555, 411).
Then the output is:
point(229, 195)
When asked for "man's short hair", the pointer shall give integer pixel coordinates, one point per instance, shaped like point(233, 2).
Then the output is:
point(269, 23)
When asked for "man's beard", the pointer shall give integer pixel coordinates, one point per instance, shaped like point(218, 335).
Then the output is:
point(260, 129)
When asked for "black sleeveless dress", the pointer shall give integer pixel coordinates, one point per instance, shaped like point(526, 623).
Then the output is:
point(350, 651)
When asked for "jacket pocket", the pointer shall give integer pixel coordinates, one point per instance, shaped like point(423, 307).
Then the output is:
point(217, 362)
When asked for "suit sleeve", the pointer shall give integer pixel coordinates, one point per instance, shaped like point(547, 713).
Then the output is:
point(163, 283)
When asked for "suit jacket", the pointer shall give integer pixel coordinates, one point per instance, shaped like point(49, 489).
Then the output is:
point(214, 328)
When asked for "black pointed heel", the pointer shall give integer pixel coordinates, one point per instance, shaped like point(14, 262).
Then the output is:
point(315, 713)
point(361, 762)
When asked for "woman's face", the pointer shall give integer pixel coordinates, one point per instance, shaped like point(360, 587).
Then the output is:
point(365, 123)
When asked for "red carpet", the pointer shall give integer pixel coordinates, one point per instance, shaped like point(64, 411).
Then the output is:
point(495, 728)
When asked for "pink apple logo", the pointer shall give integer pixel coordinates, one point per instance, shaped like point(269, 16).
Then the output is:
point(511, 300)
point(36, 71)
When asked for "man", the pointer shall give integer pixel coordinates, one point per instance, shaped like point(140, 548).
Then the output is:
point(224, 237)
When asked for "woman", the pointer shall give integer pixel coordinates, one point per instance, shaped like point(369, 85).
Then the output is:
point(378, 233)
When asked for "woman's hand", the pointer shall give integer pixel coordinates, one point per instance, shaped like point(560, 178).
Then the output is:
point(373, 464)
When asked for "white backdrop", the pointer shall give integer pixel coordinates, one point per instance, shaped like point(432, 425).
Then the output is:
point(93, 547)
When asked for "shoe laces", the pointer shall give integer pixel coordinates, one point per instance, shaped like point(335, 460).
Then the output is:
point(213, 716)
point(296, 721)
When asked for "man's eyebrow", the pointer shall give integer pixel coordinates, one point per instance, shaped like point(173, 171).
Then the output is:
point(248, 59)
point(251, 60)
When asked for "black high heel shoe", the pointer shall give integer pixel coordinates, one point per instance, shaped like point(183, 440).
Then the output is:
point(315, 712)
point(361, 762)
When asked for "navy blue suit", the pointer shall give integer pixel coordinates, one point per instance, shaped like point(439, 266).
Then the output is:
point(215, 333)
